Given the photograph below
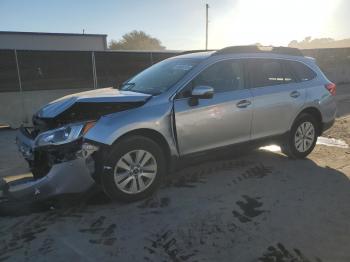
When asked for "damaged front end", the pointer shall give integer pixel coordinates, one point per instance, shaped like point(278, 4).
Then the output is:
point(58, 168)
point(60, 159)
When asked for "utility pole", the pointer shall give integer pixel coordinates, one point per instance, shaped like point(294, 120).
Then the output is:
point(206, 26)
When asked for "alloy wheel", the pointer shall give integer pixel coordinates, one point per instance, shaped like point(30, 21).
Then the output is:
point(135, 171)
point(304, 136)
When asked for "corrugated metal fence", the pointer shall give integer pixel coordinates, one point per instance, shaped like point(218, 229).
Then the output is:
point(42, 70)
point(30, 79)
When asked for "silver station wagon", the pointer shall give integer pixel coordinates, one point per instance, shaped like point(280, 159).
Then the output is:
point(126, 139)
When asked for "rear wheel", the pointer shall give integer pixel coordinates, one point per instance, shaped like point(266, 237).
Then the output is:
point(302, 137)
point(136, 166)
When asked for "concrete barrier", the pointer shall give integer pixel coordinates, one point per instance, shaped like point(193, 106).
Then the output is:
point(17, 108)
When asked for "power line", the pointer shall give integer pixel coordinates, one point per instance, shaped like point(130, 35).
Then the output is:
point(206, 26)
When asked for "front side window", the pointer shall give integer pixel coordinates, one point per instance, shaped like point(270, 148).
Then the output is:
point(222, 77)
point(268, 72)
point(161, 76)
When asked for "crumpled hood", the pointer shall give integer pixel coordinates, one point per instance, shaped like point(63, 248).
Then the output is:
point(94, 99)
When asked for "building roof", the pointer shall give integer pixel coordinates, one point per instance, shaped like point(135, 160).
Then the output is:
point(45, 33)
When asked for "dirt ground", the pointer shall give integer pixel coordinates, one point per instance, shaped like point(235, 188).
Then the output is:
point(260, 206)
point(340, 129)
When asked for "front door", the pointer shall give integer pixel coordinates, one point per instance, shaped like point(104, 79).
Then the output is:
point(222, 120)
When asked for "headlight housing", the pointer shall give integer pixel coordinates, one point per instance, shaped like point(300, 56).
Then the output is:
point(63, 135)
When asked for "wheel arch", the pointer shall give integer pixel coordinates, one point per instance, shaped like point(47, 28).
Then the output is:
point(315, 112)
point(152, 134)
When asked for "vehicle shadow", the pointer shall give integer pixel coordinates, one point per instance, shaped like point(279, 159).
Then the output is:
point(253, 166)
point(262, 199)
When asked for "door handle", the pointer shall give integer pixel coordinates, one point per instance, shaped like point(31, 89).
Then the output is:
point(243, 103)
point(295, 94)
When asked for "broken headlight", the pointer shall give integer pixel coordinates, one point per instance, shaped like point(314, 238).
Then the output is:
point(63, 134)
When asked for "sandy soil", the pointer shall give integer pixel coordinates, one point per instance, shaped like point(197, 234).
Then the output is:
point(257, 207)
point(334, 157)
point(340, 129)
point(260, 206)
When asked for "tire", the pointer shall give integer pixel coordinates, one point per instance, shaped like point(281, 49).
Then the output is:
point(135, 167)
point(302, 137)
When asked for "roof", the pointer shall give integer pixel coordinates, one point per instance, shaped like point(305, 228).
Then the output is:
point(200, 54)
point(259, 49)
point(244, 50)
point(46, 33)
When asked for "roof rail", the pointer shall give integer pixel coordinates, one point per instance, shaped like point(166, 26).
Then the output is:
point(194, 51)
point(287, 51)
point(259, 49)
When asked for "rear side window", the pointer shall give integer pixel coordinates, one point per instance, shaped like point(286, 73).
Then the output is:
point(268, 72)
point(303, 72)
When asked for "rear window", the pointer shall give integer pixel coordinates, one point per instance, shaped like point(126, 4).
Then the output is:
point(303, 72)
point(268, 72)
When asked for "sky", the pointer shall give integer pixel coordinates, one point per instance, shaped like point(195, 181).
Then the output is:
point(180, 24)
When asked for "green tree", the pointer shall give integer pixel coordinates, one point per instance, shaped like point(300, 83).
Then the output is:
point(136, 40)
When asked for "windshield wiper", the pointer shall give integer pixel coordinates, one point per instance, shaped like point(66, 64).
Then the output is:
point(127, 85)
point(156, 93)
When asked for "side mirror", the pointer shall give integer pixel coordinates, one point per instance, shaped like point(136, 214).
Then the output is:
point(202, 92)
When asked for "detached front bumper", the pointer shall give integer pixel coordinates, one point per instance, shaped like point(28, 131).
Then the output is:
point(65, 177)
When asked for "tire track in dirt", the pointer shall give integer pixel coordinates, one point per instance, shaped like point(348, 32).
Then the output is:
point(279, 253)
point(249, 209)
point(188, 178)
point(164, 245)
point(100, 233)
point(24, 231)
point(185, 242)
point(258, 171)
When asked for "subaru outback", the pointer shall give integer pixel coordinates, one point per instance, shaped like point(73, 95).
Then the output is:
point(127, 138)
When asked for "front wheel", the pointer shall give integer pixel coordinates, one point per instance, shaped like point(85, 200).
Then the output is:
point(136, 166)
point(302, 137)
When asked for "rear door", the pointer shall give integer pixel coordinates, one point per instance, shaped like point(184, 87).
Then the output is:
point(220, 121)
point(277, 96)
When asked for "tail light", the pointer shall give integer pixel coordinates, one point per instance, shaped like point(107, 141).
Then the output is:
point(331, 87)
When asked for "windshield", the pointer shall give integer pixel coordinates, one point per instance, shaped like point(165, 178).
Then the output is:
point(161, 76)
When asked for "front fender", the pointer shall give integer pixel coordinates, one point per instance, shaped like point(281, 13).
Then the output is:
point(157, 117)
